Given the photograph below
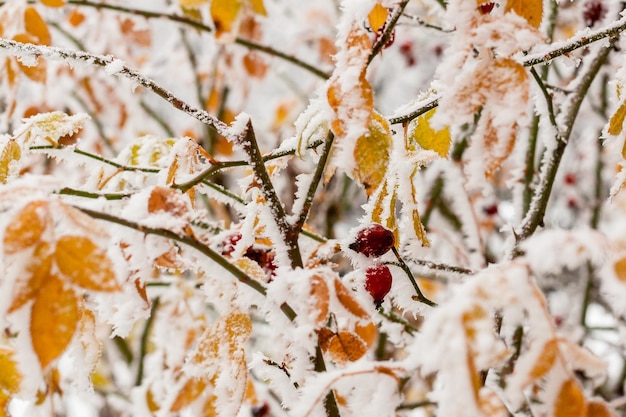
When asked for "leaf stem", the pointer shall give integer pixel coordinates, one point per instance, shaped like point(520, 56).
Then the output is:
point(420, 296)
point(143, 349)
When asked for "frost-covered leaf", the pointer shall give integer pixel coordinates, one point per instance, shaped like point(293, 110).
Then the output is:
point(346, 347)
point(616, 122)
point(31, 276)
point(367, 332)
point(10, 378)
point(38, 70)
point(50, 127)
point(531, 10)
point(27, 227)
point(36, 26)
point(172, 201)
point(371, 154)
point(85, 264)
point(251, 268)
point(545, 361)
point(10, 156)
point(598, 408)
point(320, 296)
point(54, 318)
point(347, 300)
point(190, 391)
point(424, 135)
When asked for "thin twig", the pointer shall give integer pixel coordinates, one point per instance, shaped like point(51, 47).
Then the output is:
point(290, 239)
point(402, 265)
point(204, 28)
point(317, 177)
point(387, 33)
point(118, 68)
point(143, 349)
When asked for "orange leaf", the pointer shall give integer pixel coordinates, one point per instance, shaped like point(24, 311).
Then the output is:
point(570, 401)
point(169, 200)
point(368, 333)
point(192, 389)
point(85, 264)
point(32, 277)
point(346, 346)
point(616, 122)
point(38, 71)
point(27, 228)
point(224, 13)
point(377, 17)
point(598, 408)
point(254, 64)
point(344, 295)
point(76, 18)
point(10, 377)
point(620, 269)
point(258, 7)
point(36, 26)
point(53, 3)
point(320, 296)
point(531, 10)
point(546, 360)
point(53, 321)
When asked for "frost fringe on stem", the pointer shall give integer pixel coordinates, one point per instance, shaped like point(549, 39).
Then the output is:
point(51, 52)
point(552, 51)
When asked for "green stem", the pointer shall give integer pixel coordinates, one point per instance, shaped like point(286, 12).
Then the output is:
point(143, 349)
point(192, 242)
point(317, 177)
point(402, 265)
point(150, 111)
point(543, 191)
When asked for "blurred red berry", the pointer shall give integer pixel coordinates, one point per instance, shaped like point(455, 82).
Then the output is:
point(593, 12)
point(491, 210)
point(228, 245)
point(378, 282)
point(374, 240)
point(570, 178)
point(486, 8)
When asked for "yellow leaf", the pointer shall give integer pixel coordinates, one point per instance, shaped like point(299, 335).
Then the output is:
point(377, 17)
point(531, 10)
point(36, 26)
point(53, 321)
point(11, 153)
point(192, 4)
point(367, 332)
point(224, 13)
point(27, 228)
point(190, 392)
point(53, 3)
point(38, 71)
point(10, 377)
point(32, 277)
point(428, 138)
point(320, 295)
point(616, 122)
point(85, 264)
point(344, 295)
point(251, 268)
point(258, 7)
point(346, 347)
point(570, 401)
point(371, 154)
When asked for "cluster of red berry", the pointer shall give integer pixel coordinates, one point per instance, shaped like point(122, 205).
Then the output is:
point(374, 241)
point(259, 254)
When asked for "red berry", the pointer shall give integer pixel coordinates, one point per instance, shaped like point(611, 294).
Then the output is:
point(228, 245)
point(593, 12)
point(374, 240)
point(570, 178)
point(491, 210)
point(378, 282)
point(486, 8)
